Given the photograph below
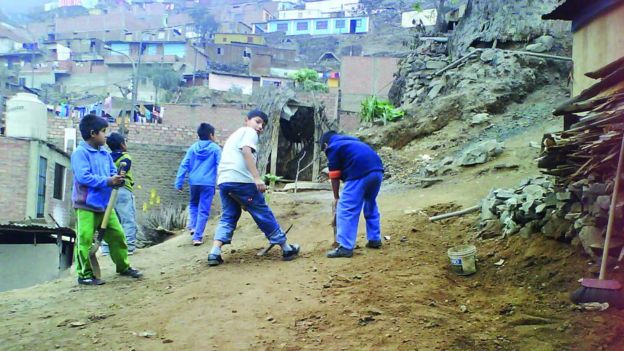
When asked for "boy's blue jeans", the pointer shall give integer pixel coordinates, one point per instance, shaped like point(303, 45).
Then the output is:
point(199, 209)
point(356, 193)
point(249, 195)
point(126, 212)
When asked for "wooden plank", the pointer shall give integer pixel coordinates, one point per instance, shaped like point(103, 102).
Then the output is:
point(606, 69)
point(609, 81)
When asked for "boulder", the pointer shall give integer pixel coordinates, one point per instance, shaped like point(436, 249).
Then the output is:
point(547, 41)
point(480, 118)
point(488, 55)
point(435, 90)
point(537, 47)
point(480, 153)
point(435, 64)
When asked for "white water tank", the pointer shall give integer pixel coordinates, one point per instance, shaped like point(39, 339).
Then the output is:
point(26, 117)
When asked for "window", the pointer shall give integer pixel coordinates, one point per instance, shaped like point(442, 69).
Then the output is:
point(282, 27)
point(219, 51)
point(41, 187)
point(321, 25)
point(224, 39)
point(340, 24)
point(59, 181)
point(302, 26)
point(358, 23)
point(250, 39)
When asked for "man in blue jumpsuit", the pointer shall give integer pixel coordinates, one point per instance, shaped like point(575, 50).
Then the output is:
point(361, 169)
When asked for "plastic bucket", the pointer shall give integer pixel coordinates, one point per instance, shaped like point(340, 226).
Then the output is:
point(463, 259)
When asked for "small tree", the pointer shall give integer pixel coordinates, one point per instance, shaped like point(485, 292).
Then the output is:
point(308, 80)
point(163, 77)
point(204, 21)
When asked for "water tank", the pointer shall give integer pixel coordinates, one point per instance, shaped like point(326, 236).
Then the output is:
point(26, 117)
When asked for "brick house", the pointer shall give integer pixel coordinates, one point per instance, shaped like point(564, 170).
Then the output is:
point(34, 176)
point(362, 76)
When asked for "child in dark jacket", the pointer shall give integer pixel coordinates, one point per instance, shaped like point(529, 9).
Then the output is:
point(125, 207)
point(94, 176)
point(200, 163)
point(359, 166)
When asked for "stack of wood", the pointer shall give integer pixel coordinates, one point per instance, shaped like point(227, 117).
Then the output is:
point(589, 146)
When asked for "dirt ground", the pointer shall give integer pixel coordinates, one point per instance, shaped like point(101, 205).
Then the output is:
point(402, 297)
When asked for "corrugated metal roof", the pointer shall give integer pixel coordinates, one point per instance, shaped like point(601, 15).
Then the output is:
point(16, 228)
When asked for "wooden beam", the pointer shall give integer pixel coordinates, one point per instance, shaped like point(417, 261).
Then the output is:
point(607, 69)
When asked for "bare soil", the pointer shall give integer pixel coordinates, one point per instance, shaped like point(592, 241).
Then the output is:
point(402, 297)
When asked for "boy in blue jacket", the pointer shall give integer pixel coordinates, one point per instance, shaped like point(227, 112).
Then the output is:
point(200, 163)
point(94, 177)
point(359, 166)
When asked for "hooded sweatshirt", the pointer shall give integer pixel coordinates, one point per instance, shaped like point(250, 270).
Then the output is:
point(354, 158)
point(200, 163)
point(92, 168)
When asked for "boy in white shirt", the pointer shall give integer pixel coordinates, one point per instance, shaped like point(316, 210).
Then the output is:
point(239, 182)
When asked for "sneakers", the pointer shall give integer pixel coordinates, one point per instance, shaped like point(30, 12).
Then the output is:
point(292, 253)
point(90, 281)
point(339, 252)
point(197, 242)
point(214, 260)
point(374, 244)
point(131, 272)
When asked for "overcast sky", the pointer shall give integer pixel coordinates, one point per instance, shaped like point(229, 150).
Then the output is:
point(20, 6)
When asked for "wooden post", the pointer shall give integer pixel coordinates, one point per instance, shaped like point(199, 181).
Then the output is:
point(275, 145)
point(315, 156)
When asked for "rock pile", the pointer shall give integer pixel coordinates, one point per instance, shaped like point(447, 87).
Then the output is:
point(577, 213)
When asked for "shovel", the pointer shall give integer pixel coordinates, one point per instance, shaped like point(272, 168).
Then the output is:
point(95, 265)
point(266, 250)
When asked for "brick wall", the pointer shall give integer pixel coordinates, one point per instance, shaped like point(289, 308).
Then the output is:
point(225, 119)
point(361, 76)
point(154, 169)
point(13, 165)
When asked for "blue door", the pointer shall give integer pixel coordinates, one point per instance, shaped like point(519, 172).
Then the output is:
point(352, 26)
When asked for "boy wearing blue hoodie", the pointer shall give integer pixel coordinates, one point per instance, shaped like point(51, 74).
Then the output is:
point(200, 163)
point(94, 177)
point(361, 169)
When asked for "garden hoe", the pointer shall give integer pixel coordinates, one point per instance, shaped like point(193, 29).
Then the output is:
point(266, 250)
point(95, 265)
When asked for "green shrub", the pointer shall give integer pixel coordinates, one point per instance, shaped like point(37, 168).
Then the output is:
point(374, 109)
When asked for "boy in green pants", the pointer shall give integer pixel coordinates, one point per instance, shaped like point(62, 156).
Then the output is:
point(94, 176)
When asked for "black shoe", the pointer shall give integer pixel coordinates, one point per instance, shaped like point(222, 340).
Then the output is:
point(374, 244)
point(292, 253)
point(90, 281)
point(214, 260)
point(339, 252)
point(131, 272)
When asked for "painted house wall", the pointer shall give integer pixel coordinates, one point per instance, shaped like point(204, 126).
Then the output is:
point(226, 83)
point(320, 26)
point(597, 44)
point(29, 265)
point(299, 14)
point(412, 18)
point(175, 49)
point(238, 38)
